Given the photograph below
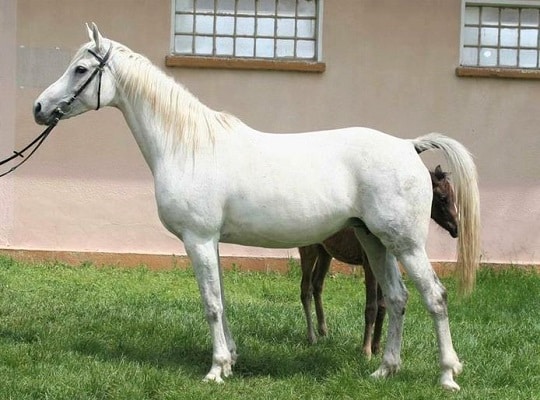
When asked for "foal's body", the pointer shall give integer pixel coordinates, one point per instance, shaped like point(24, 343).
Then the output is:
point(218, 180)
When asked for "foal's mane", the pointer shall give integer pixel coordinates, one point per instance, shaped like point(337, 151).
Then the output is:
point(186, 122)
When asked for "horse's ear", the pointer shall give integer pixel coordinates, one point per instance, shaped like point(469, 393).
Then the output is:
point(89, 32)
point(95, 36)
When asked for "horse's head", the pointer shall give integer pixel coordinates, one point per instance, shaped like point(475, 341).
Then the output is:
point(443, 207)
point(87, 84)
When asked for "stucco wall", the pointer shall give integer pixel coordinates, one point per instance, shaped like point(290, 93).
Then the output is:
point(390, 66)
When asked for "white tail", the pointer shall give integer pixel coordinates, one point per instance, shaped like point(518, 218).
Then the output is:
point(468, 203)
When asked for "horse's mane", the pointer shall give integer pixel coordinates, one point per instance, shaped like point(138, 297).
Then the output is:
point(186, 122)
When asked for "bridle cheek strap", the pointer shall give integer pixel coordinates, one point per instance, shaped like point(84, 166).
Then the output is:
point(99, 70)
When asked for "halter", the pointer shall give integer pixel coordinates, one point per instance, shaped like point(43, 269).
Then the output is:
point(59, 112)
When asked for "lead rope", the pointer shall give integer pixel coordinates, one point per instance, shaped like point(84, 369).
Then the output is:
point(37, 142)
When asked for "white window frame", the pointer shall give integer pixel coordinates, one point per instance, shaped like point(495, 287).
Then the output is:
point(498, 69)
point(254, 60)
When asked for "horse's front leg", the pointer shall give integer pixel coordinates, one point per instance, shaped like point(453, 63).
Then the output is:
point(203, 253)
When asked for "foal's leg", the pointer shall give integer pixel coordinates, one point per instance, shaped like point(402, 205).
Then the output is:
point(385, 268)
point(370, 310)
point(203, 253)
point(308, 260)
point(433, 293)
point(321, 269)
point(381, 312)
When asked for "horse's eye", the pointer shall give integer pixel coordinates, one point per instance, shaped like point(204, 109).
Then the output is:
point(80, 69)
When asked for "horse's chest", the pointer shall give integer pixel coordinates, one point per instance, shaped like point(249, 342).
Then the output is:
point(185, 204)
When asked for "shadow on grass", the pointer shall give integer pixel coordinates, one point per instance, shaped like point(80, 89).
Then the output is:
point(194, 359)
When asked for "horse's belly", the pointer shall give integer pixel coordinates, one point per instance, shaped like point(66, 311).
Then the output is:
point(282, 224)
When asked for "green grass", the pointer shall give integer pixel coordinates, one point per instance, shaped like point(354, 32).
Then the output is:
point(110, 333)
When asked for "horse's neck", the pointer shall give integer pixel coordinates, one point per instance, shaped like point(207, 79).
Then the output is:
point(145, 129)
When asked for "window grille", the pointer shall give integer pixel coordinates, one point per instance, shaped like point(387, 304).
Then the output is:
point(268, 29)
point(501, 35)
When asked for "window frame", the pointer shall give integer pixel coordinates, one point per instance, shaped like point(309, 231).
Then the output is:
point(495, 71)
point(253, 63)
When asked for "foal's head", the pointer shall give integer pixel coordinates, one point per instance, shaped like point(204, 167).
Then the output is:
point(443, 207)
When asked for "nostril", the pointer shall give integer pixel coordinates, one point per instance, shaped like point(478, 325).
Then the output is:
point(37, 108)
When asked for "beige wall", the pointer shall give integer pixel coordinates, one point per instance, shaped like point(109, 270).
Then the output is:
point(390, 65)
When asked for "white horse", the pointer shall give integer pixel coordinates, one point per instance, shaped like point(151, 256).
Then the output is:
point(218, 180)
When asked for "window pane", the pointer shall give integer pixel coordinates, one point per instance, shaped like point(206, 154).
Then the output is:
point(285, 48)
point(225, 25)
point(285, 27)
point(183, 44)
point(204, 24)
point(225, 6)
point(306, 8)
point(286, 7)
point(265, 48)
point(489, 36)
point(488, 57)
point(508, 58)
point(509, 16)
point(528, 38)
point(184, 5)
point(529, 17)
point(509, 37)
point(470, 56)
point(244, 47)
point(472, 15)
point(490, 16)
point(203, 45)
point(183, 23)
point(470, 36)
point(305, 49)
point(245, 26)
point(246, 7)
point(266, 7)
point(527, 58)
point(305, 28)
point(224, 46)
point(265, 26)
point(205, 5)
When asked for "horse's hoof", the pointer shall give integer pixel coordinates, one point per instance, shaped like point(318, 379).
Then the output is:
point(450, 385)
point(211, 377)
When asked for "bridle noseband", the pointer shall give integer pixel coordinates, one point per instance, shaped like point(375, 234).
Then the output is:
point(59, 112)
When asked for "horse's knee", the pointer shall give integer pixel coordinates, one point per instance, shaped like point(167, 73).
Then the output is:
point(437, 302)
point(397, 302)
point(213, 312)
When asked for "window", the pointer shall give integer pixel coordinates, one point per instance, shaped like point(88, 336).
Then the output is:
point(246, 30)
point(501, 36)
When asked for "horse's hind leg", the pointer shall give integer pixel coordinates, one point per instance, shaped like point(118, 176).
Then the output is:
point(433, 293)
point(385, 269)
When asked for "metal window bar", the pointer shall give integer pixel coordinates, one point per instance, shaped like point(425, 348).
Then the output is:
point(197, 11)
point(500, 25)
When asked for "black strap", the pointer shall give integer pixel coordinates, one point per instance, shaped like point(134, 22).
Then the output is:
point(37, 142)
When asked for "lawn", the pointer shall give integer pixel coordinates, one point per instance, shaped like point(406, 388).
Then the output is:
point(111, 333)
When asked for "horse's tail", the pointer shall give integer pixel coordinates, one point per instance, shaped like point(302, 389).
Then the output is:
point(468, 203)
